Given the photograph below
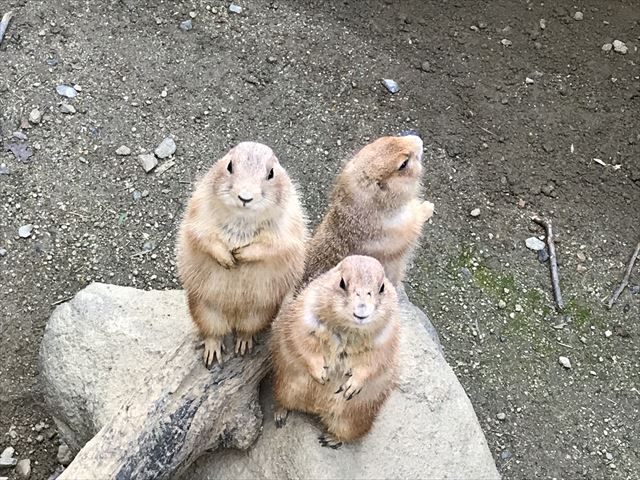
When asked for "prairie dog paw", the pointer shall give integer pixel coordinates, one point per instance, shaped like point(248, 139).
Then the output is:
point(213, 347)
point(280, 417)
point(244, 344)
point(350, 388)
point(227, 261)
point(320, 373)
point(328, 440)
point(426, 210)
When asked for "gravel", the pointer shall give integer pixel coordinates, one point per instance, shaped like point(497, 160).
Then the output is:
point(147, 161)
point(66, 91)
point(390, 85)
point(25, 231)
point(64, 456)
point(23, 469)
point(123, 151)
point(564, 361)
point(166, 148)
point(475, 212)
point(535, 244)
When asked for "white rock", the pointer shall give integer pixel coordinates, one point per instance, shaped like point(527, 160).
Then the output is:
point(506, 43)
point(607, 47)
point(96, 340)
point(543, 23)
point(608, 333)
point(620, 47)
point(528, 81)
point(23, 468)
point(501, 416)
point(579, 16)
point(35, 116)
point(518, 308)
point(534, 243)
point(391, 85)
point(3, 252)
point(25, 231)
point(147, 161)
point(564, 361)
point(475, 212)
point(7, 452)
point(123, 151)
point(166, 148)
point(233, 8)
point(66, 91)
point(502, 304)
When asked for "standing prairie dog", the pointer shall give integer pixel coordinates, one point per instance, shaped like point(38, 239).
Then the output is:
point(374, 209)
point(334, 349)
point(241, 247)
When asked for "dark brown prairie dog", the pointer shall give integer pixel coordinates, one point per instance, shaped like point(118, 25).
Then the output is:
point(374, 209)
point(334, 349)
point(241, 246)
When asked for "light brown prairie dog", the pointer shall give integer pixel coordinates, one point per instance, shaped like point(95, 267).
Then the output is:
point(374, 209)
point(334, 349)
point(241, 246)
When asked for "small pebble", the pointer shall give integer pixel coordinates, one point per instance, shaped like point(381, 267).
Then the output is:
point(7, 452)
point(272, 59)
point(506, 43)
point(25, 231)
point(186, 25)
point(147, 161)
point(235, 8)
point(609, 456)
point(426, 66)
point(390, 85)
point(35, 116)
point(607, 47)
point(564, 361)
point(166, 148)
point(578, 16)
point(581, 268)
point(19, 135)
point(518, 308)
point(534, 243)
point(3, 252)
point(475, 212)
point(543, 255)
point(620, 47)
point(502, 304)
point(68, 109)
point(501, 416)
point(193, 14)
point(66, 91)
point(506, 455)
point(543, 23)
point(123, 151)
point(40, 438)
point(581, 257)
point(23, 468)
point(64, 456)
point(528, 81)
point(607, 333)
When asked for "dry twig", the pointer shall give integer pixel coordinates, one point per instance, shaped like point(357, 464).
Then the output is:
point(625, 280)
point(4, 23)
point(553, 262)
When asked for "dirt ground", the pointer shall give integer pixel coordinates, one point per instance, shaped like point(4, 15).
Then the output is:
point(304, 77)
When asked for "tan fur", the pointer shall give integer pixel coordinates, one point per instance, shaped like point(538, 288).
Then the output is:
point(374, 209)
point(318, 348)
point(237, 262)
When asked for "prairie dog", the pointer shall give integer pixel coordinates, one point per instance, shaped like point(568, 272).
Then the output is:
point(241, 247)
point(374, 209)
point(334, 349)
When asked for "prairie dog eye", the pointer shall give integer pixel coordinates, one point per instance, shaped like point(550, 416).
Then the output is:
point(230, 167)
point(382, 288)
point(404, 164)
point(343, 285)
point(270, 174)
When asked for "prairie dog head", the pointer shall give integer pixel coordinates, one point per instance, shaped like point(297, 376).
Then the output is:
point(249, 180)
point(356, 294)
point(386, 171)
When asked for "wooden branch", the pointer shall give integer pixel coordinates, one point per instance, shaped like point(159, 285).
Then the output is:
point(627, 275)
point(553, 261)
point(4, 23)
point(179, 411)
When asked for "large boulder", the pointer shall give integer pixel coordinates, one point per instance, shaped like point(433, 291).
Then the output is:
point(99, 347)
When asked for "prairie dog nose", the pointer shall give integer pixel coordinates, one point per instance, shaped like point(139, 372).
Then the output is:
point(406, 133)
point(245, 197)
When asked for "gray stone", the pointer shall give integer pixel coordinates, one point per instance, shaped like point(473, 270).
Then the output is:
point(23, 468)
point(35, 116)
point(506, 43)
point(66, 91)
point(426, 66)
point(67, 109)
point(501, 416)
point(607, 47)
point(475, 212)
point(109, 333)
point(534, 243)
point(543, 255)
point(578, 16)
point(123, 151)
point(502, 304)
point(64, 456)
point(186, 25)
point(166, 148)
point(25, 231)
point(3, 252)
point(7, 462)
point(390, 85)
point(233, 8)
point(147, 161)
point(19, 135)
